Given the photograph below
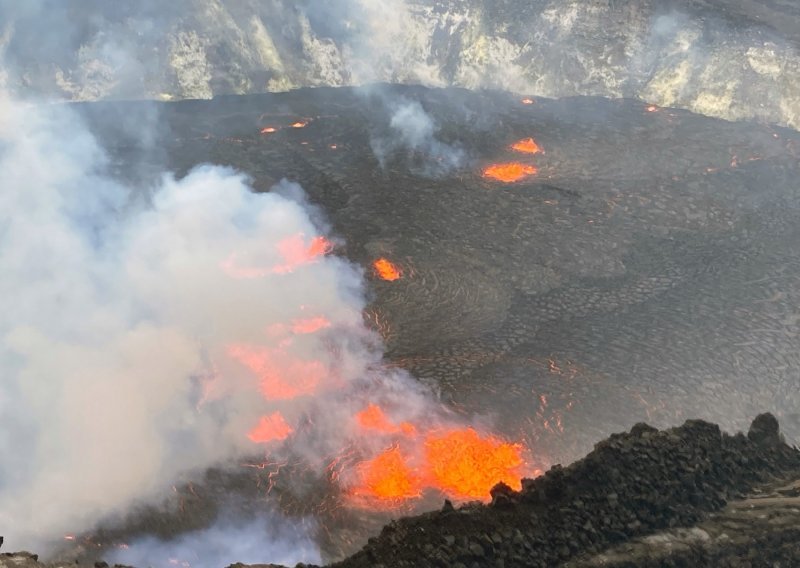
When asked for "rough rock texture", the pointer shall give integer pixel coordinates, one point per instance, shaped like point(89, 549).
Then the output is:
point(727, 58)
point(762, 530)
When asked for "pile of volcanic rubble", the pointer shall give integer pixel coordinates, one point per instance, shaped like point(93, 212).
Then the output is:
point(688, 496)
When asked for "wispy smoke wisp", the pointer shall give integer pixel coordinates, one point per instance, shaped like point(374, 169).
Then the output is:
point(230, 540)
point(413, 131)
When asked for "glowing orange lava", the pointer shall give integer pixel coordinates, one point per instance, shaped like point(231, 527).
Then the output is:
point(296, 252)
point(388, 477)
point(281, 377)
point(510, 172)
point(652, 108)
point(300, 124)
point(527, 146)
point(527, 101)
point(269, 429)
point(386, 270)
point(465, 465)
point(269, 130)
point(311, 325)
point(373, 418)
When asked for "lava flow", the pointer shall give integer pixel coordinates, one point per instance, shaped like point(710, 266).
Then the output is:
point(270, 428)
point(465, 465)
point(510, 172)
point(388, 477)
point(459, 463)
point(311, 325)
point(281, 376)
point(527, 146)
point(387, 270)
point(296, 252)
point(373, 418)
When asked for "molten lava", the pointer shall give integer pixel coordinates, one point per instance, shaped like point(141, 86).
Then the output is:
point(296, 252)
point(386, 270)
point(269, 429)
point(373, 418)
point(388, 477)
point(510, 172)
point(527, 101)
point(300, 124)
point(312, 325)
point(527, 146)
point(465, 465)
point(281, 377)
point(269, 130)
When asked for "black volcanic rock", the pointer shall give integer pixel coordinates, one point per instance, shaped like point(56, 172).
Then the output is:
point(765, 430)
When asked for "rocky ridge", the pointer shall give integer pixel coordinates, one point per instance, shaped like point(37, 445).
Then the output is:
point(733, 59)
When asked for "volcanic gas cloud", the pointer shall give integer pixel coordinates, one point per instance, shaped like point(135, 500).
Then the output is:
point(144, 340)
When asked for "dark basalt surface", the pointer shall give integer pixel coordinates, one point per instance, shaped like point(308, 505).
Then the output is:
point(647, 273)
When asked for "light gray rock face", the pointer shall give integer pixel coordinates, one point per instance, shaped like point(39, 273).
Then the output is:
point(732, 59)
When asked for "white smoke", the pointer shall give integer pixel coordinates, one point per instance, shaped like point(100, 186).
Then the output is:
point(230, 540)
point(141, 343)
point(414, 131)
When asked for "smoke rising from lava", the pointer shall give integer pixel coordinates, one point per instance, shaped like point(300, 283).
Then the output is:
point(228, 539)
point(153, 332)
point(414, 131)
point(119, 320)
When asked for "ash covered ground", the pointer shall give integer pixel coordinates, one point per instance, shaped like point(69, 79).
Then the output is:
point(645, 273)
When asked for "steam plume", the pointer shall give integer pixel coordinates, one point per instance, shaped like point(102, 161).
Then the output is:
point(135, 337)
point(414, 131)
point(229, 540)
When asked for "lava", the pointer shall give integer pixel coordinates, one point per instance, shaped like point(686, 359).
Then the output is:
point(527, 101)
point(373, 418)
point(300, 124)
point(510, 172)
point(527, 146)
point(388, 477)
point(269, 130)
point(296, 252)
point(281, 377)
point(311, 325)
point(465, 465)
point(387, 270)
point(270, 428)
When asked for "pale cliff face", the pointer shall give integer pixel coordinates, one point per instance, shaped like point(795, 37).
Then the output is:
point(713, 57)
